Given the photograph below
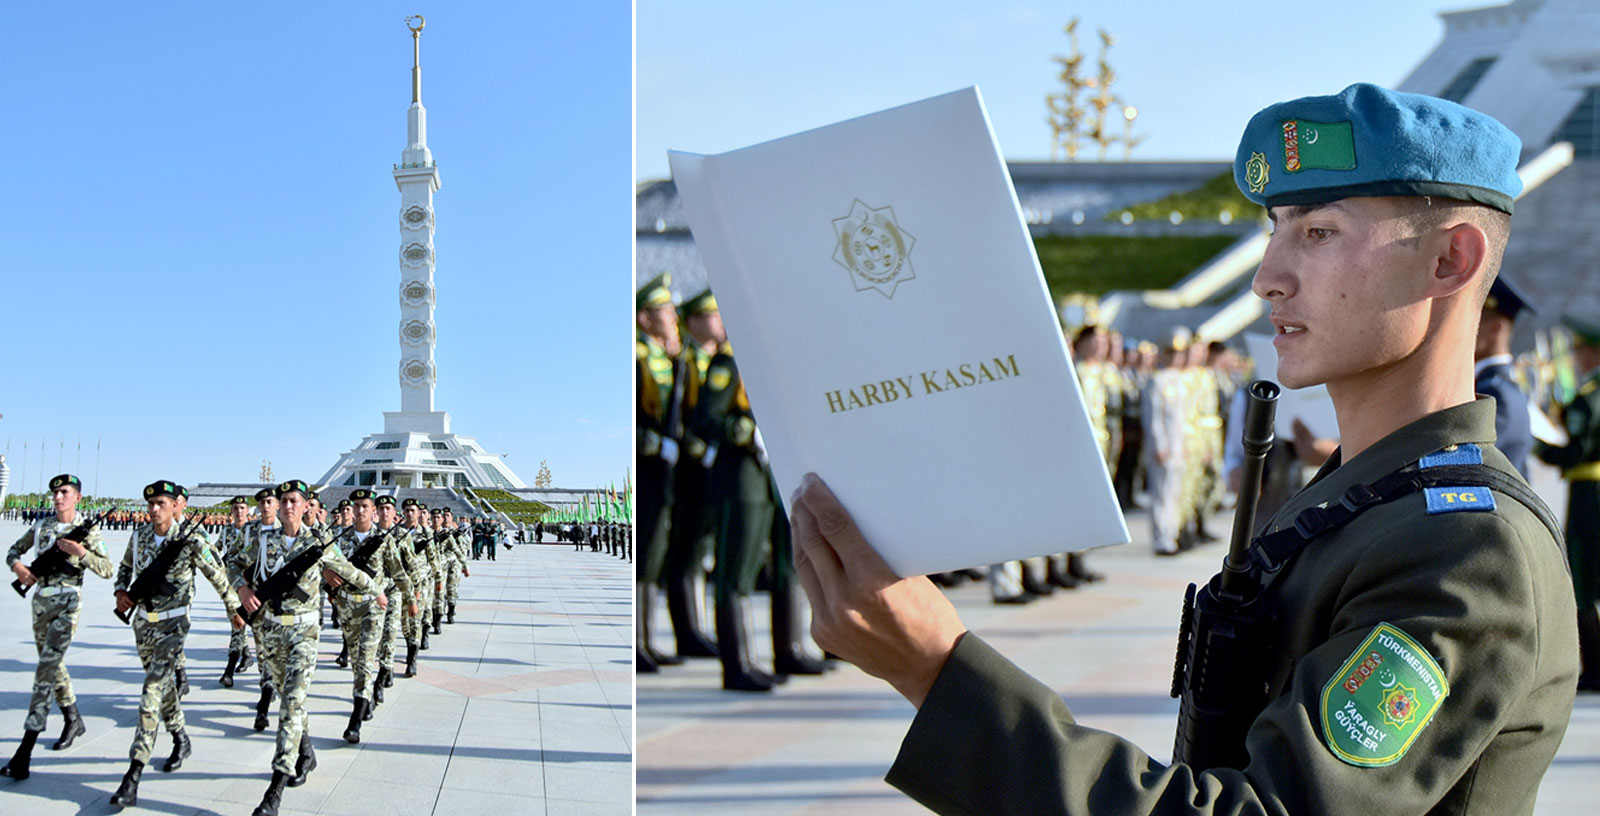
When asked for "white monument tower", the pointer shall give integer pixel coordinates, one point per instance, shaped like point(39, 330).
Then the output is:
point(416, 448)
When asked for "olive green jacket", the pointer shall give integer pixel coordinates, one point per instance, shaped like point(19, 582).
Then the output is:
point(1486, 594)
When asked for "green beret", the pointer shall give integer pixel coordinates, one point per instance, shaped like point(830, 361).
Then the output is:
point(294, 486)
point(343, 503)
point(654, 294)
point(156, 489)
point(245, 500)
point(1371, 141)
point(314, 495)
point(436, 511)
point(263, 494)
point(359, 494)
point(410, 503)
point(1585, 331)
point(382, 500)
point(703, 303)
point(66, 479)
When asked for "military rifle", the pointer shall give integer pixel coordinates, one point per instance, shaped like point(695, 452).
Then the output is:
point(286, 580)
point(154, 576)
point(1219, 672)
point(54, 560)
point(362, 558)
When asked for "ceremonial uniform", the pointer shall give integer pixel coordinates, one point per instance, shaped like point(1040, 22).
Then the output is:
point(743, 505)
point(1166, 454)
point(655, 376)
point(1579, 461)
point(1490, 617)
point(56, 604)
point(394, 616)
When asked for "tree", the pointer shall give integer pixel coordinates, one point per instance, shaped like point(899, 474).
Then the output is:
point(543, 479)
point(266, 471)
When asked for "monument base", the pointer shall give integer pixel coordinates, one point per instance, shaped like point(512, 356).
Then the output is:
point(427, 422)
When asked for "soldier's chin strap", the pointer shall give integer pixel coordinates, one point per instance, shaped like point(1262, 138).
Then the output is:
point(1272, 551)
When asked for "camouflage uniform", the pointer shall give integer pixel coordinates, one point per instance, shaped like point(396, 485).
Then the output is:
point(459, 553)
point(228, 542)
point(360, 617)
point(288, 631)
point(55, 613)
point(389, 630)
point(424, 565)
point(160, 641)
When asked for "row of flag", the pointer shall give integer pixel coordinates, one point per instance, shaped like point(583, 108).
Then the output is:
point(609, 505)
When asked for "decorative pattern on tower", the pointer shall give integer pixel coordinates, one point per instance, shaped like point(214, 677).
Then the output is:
point(418, 179)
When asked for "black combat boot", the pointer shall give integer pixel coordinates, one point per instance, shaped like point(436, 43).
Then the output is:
point(437, 616)
point(388, 679)
point(649, 659)
point(450, 615)
point(227, 674)
point(1033, 582)
point(274, 796)
point(180, 751)
point(1058, 572)
point(262, 706)
point(1079, 569)
point(306, 763)
point(411, 660)
point(734, 648)
point(352, 732)
point(683, 606)
point(366, 712)
point(343, 660)
point(127, 794)
point(71, 729)
point(424, 645)
point(182, 679)
point(244, 659)
point(788, 632)
point(17, 768)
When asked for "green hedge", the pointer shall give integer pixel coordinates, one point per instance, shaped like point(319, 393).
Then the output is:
point(1097, 264)
point(1208, 201)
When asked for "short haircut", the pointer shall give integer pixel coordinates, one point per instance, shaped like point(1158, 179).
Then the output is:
point(1424, 214)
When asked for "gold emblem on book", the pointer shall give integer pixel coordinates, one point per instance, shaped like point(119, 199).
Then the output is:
point(874, 248)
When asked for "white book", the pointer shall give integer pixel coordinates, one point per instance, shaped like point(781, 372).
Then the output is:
point(895, 335)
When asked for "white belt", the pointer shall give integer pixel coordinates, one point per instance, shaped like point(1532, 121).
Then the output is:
point(45, 592)
point(354, 598)
point(291, 620)
point(157, 617)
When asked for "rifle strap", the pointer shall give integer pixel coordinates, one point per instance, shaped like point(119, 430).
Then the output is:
point(1272, 551)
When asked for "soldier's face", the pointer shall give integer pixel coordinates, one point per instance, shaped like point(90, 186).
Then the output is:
point(661, 323)
point(412, 515)
point(348, 515)
point(386, 515)
point(268, 508)
point(361, 514)
point(162, 510)
point(241, 512)
point(706, 328)
point(64, 498)
point(1349, 290)
point(292, 508)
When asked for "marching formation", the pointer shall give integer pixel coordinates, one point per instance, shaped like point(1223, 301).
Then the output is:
point(391, 573)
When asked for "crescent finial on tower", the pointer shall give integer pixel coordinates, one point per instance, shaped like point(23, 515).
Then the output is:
point(416, 23)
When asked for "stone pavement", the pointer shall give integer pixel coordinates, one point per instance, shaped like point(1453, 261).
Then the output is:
point(523, 706)
point(822, 745)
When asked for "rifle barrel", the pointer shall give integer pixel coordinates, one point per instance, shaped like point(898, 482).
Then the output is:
point(1261, 404)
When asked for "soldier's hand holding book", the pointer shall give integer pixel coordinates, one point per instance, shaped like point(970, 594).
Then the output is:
point(899, 629)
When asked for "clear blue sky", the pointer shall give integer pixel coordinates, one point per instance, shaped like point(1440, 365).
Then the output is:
point(201, 265)
point(714, 76)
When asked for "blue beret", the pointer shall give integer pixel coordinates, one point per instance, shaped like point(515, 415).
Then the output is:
point(1371, 141)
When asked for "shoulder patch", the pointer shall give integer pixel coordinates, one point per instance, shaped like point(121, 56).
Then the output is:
point(719, 378)
point(1458, 499)
point(1465, 454)
point(1377, 703)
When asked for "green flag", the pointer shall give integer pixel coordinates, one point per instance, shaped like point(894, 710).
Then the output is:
point(1318, 146)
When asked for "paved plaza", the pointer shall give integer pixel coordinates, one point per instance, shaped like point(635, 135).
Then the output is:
point(524, 706)
point(822, 745)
